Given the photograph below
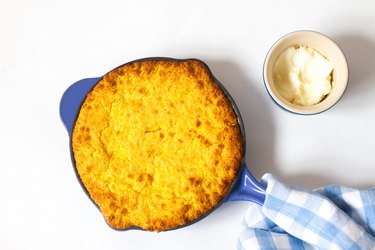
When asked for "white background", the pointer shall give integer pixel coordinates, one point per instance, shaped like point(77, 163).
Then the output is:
point(45, 46)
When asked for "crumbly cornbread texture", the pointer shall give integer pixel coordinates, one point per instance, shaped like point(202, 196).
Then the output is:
point(157, 144)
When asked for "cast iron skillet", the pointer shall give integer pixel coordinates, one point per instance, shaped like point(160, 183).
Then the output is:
point(244, 188)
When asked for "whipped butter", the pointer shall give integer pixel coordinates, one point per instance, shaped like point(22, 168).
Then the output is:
point(302, 75)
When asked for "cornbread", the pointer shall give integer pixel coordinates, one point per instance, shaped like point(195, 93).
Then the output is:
point(157, 144)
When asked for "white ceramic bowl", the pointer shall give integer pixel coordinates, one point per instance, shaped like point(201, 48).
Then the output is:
point(324, 46)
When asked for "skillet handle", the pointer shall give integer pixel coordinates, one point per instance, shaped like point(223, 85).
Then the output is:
point(72, 99)
point(247, 188)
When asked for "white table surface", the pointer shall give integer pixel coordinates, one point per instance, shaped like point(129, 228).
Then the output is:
point(47, 45)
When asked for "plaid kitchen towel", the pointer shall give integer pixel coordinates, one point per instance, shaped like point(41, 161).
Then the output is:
point(333, 217)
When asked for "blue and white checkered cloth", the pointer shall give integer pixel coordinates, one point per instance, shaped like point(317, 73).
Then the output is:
point(333, 217)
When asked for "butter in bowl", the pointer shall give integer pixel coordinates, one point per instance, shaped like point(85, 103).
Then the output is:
point(305, 72)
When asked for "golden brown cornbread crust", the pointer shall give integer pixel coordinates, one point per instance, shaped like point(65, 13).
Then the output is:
point(157, 144)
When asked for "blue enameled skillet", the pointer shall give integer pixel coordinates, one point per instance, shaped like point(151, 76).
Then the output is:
point(244, 188)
